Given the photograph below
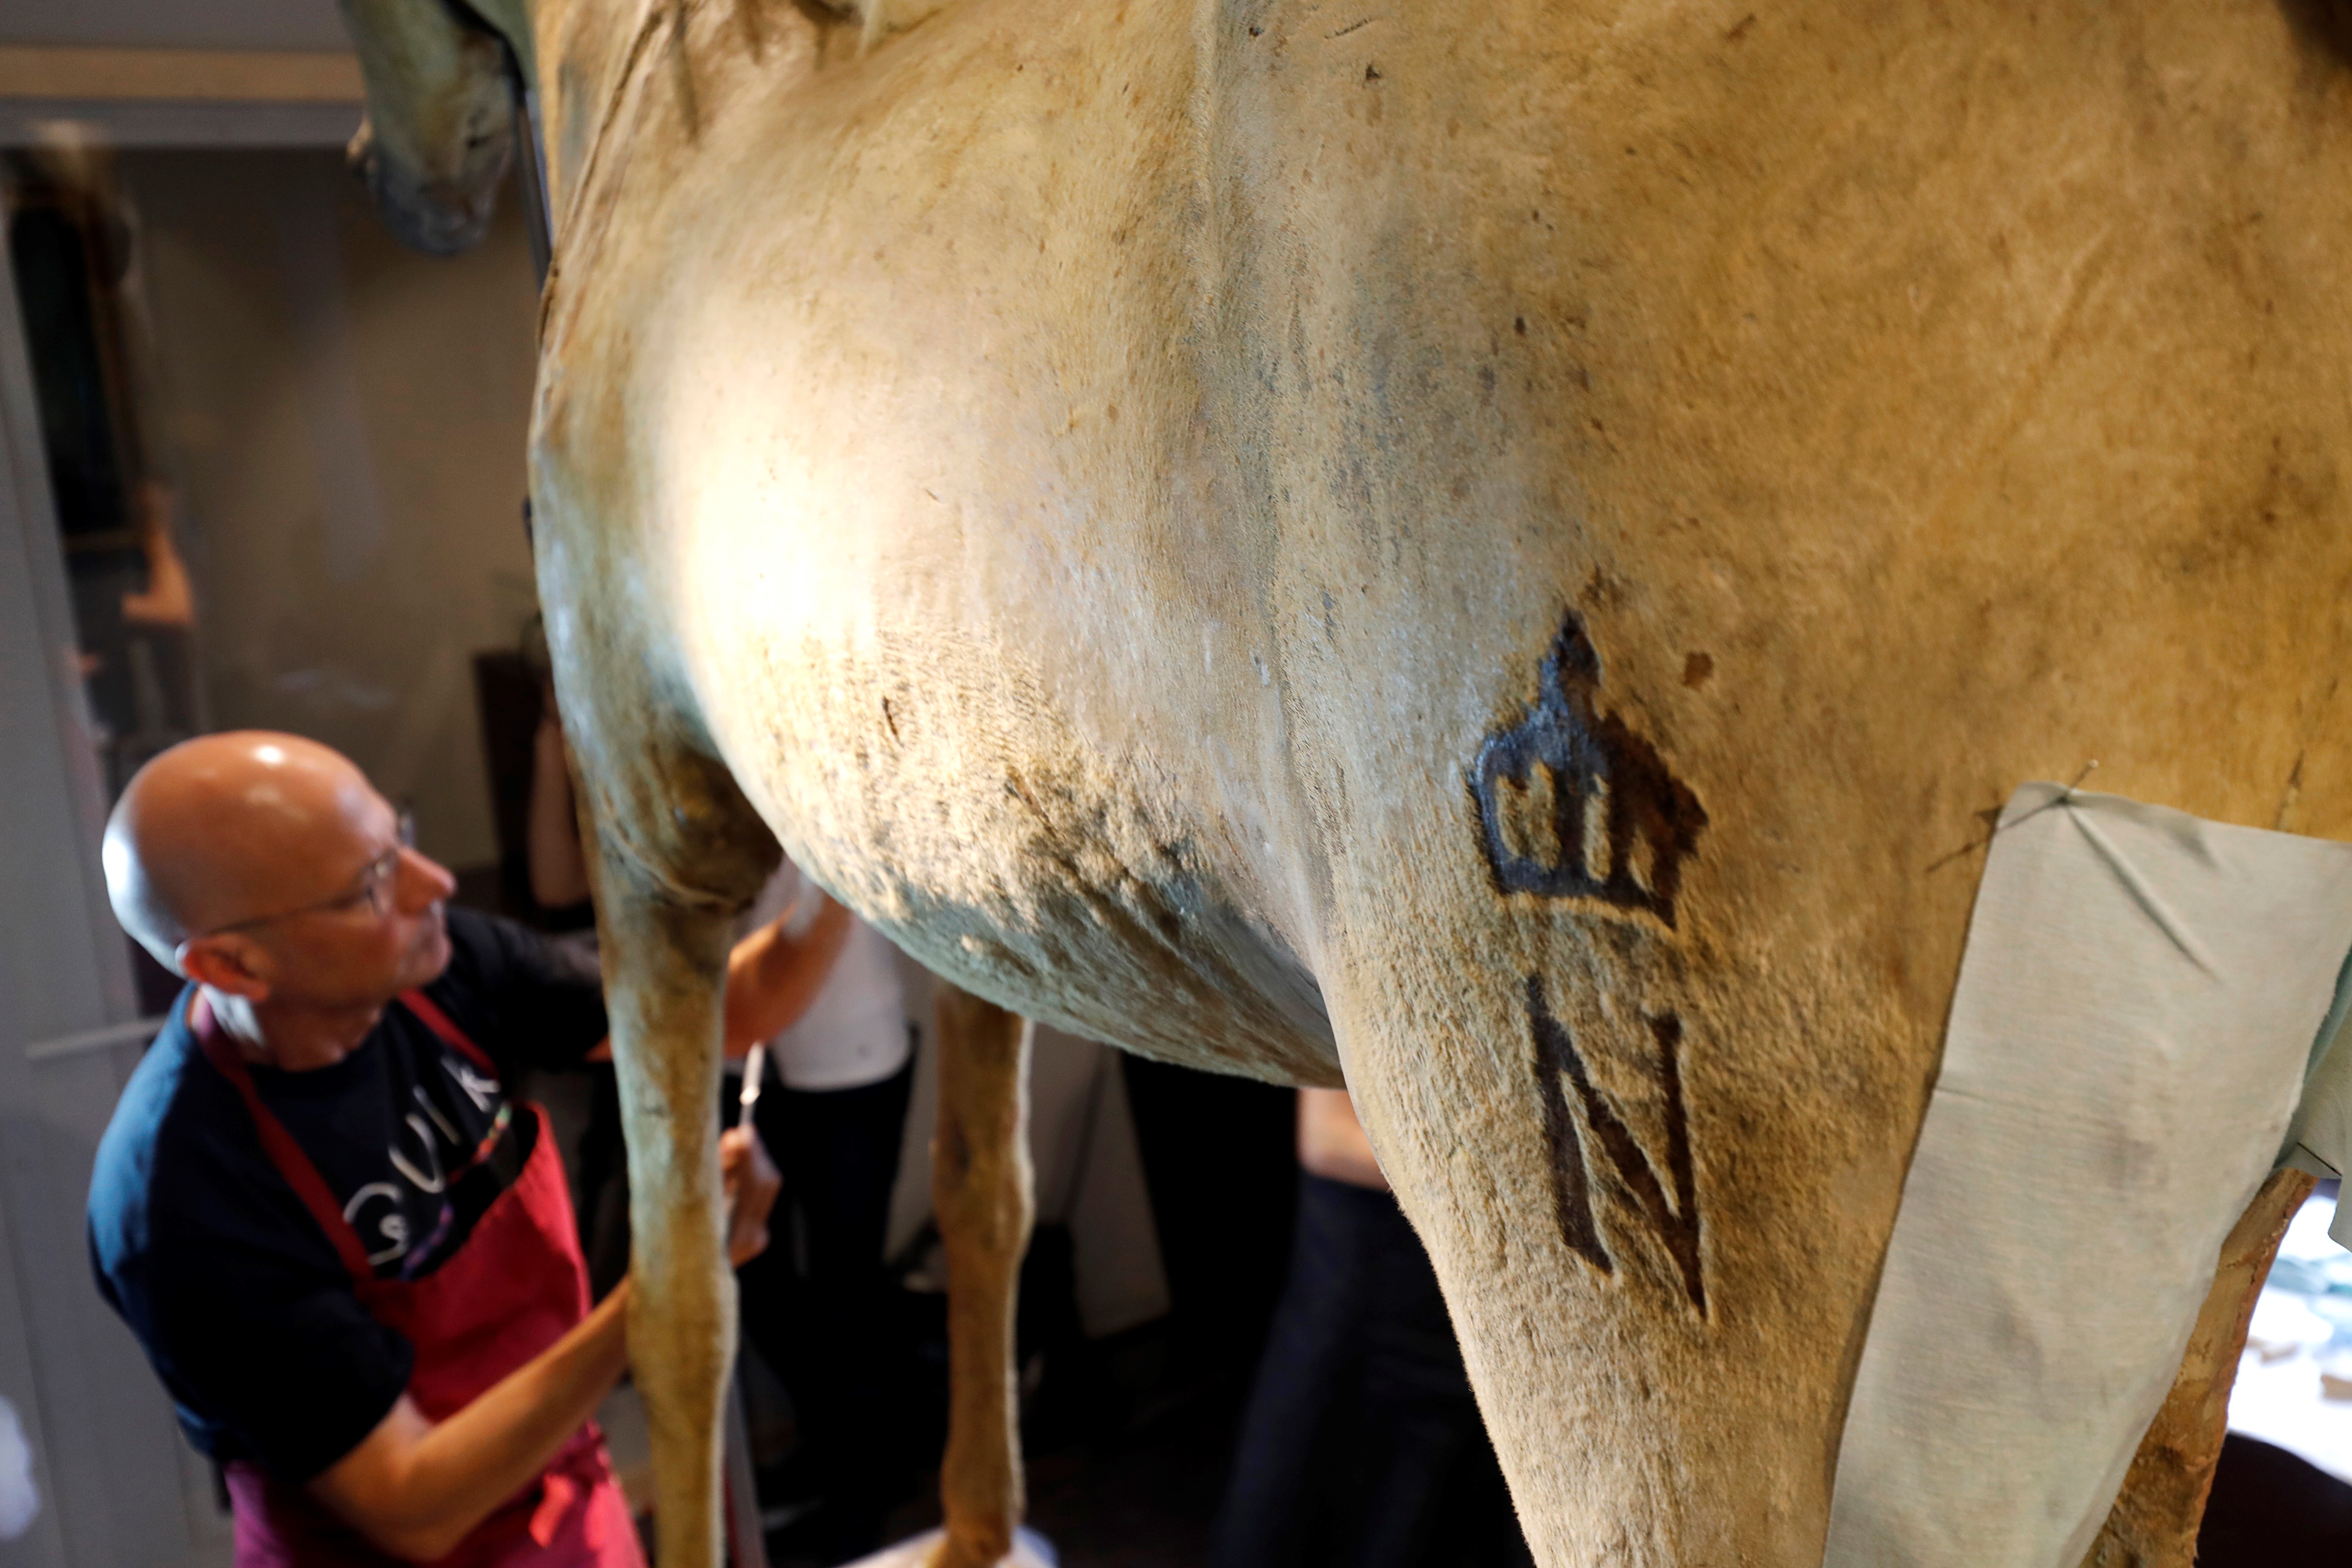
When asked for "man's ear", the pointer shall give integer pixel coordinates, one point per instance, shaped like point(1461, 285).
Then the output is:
point(228, 963)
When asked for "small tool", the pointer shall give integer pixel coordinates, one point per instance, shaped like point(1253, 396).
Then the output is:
point(755, 1069)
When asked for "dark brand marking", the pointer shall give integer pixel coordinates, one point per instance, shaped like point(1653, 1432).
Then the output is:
point(1572, 803)
point(1675, 1223)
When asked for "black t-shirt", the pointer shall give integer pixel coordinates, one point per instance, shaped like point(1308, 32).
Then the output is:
point(241, 1300)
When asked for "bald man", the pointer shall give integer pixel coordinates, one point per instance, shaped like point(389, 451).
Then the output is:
point(349, 1255)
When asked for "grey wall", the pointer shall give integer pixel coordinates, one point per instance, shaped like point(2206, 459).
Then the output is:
point(175, 23)
point(347, 421)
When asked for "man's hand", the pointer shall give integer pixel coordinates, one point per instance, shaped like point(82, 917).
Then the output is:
point(752, 1184)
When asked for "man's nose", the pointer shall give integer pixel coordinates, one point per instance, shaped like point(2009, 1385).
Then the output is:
point(422, 881)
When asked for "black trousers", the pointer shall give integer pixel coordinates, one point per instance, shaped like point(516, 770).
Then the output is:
point(816, 1305)
point(1361, 1445)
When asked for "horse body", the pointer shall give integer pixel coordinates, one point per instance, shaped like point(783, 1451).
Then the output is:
point(976, 550)
point(1506, 548)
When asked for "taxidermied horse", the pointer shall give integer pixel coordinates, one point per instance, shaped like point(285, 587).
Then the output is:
point(1503, 549)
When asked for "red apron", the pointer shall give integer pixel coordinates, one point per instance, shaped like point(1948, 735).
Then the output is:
point(513, 1288)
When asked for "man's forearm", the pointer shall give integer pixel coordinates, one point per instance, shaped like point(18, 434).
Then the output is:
point(1332, 1143)
point(772, 978)
point(416, 1488)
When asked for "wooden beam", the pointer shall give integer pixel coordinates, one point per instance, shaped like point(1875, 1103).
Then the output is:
point(180, 76)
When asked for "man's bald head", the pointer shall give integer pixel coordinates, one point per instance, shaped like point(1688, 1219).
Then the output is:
point(233, 827)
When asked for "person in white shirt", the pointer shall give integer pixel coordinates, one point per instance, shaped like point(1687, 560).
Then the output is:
point(816, 1307)
point(854, 1033)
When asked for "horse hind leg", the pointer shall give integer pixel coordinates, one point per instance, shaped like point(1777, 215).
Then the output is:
point(982, 1188)
point(1641, 1346)
point(2154, 1521)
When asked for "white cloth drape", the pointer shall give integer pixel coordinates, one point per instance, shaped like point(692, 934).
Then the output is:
point(2132, 1029)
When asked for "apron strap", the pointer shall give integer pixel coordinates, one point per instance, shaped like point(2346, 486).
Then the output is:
point(429, 1014)
point(278, 1143)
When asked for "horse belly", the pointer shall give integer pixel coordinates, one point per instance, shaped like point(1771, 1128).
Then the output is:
point(935, 787)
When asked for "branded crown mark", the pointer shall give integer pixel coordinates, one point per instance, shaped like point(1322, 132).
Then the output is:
point(1573, 804)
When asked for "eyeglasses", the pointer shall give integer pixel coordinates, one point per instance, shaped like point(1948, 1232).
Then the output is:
point(374, 889)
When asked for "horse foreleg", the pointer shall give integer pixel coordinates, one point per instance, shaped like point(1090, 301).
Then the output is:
point(982, 1190)
point(665, 965)
point(2154, 1521)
